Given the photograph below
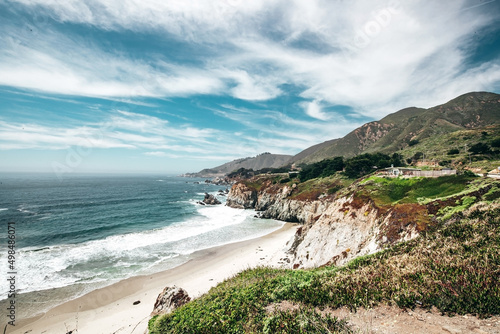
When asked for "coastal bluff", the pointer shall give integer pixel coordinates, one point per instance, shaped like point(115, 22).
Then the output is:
point(335, 228)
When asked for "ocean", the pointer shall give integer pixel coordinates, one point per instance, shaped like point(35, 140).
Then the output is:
point(89, 231)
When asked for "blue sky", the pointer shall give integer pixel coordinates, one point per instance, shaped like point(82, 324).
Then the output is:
point(177, 86)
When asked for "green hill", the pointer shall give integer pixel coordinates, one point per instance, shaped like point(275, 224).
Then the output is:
point(453, 268)
point(409, 126)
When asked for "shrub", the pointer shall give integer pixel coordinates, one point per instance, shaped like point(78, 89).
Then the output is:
point(495, 142)
point(453, 151)
point(322, 168)
point(418, 155)
point(303, 321)
point(367, 163)
point(413, 142)
point(334, 189)
point(479, 148)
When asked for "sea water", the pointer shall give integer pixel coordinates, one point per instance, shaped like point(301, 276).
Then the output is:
point(89, 231)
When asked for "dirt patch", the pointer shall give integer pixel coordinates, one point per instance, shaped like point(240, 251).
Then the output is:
point(385, 319)
point(393, 320)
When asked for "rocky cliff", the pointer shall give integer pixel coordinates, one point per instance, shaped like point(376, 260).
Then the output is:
point(336, 228)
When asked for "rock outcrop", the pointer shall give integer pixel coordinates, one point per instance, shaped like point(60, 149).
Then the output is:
point(210, 200)
point(335, 229)
point(170, 299)
point(242, 197)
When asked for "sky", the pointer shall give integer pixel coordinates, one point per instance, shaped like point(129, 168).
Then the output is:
point(174, 86)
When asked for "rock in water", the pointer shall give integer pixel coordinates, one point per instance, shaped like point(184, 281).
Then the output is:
point(170, 299)
point(210, 199)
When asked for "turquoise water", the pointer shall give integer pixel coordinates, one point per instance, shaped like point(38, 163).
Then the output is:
point(95, 230)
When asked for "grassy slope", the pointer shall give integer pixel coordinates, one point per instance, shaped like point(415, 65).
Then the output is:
point(454, 268)
point(469, 111)
point(437, 147)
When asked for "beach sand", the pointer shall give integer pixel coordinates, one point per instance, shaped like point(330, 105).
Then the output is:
point(111, 310)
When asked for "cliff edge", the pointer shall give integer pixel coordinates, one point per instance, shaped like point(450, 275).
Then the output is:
point(355, 220)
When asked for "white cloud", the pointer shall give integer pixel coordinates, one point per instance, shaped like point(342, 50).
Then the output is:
point(148, 135)
point(159, 154)
point(314, 110)
point(283, 133)
point(193, 20)
point(376, 56)
point(23, 136)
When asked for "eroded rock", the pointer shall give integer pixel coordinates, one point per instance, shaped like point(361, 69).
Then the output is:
point(170, 299)
point(210, 200)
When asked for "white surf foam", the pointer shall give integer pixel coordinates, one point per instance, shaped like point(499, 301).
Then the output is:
point(121, 256)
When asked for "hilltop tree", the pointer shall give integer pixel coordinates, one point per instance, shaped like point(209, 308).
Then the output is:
point(479, 148)
point(322, 168)
point(418, 156)
point(495, 142)
point(367, 163)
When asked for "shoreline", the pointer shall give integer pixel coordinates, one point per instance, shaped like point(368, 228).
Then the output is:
point(110, 309)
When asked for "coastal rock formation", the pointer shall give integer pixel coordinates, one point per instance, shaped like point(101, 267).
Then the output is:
point(170, 299)
point(210, 200)
point(335, 229)
point(242, 197)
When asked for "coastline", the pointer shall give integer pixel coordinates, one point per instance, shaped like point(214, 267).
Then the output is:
point(111, 310)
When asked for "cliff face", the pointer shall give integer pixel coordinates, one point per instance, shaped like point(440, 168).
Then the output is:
point(335, 229)
point(241, 197)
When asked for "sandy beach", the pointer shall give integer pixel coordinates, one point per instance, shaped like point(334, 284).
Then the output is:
point(111, 310)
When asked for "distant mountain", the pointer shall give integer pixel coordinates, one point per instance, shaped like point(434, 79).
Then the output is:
point(409, 126)
point(264, 160)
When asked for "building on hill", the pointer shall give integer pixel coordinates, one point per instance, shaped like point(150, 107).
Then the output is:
point(399, 171)
point(494, 173)
point(415, 172)
point(428, 163)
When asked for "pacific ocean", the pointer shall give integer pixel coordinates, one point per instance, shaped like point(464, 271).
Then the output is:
point(89, 231)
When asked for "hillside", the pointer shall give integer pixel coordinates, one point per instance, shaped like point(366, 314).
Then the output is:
point(264, 160)
point(452, 149)
point(401, 129)
point(438, 250)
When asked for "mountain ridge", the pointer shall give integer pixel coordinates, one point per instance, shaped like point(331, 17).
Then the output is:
point(395, 131)
point(263, 160)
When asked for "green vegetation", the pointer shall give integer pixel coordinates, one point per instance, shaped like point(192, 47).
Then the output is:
point(322, 168)
point(413, 130)
point(367, 163)
point(303, 320)
point(355, 167)
point(388, 191)
point(495, 142)
point(462, 204)
point(455, 268)
point(413, 142)
point(312, 189)
point(493, 193)
point(461, 148)
point(479, 148)
point(246, 173)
